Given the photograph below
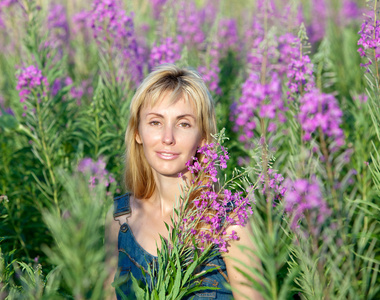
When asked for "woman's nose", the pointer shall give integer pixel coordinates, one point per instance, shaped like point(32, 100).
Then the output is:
point(168, 136)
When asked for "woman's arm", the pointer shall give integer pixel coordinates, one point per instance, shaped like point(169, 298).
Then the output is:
point(111, 236)
point(242, 288)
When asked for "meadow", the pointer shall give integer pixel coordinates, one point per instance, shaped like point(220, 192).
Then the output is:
point(296, 86)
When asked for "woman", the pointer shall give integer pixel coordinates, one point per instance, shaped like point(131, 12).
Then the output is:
point(171, 115)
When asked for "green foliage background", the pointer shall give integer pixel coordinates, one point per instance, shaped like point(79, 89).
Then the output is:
point(52, 224)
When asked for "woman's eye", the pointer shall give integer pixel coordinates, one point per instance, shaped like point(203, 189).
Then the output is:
point(185, 125)
point(154, 123)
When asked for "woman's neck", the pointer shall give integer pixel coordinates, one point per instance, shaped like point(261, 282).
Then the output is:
point(166, 195)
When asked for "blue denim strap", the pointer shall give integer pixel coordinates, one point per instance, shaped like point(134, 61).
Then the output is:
point(121, 205)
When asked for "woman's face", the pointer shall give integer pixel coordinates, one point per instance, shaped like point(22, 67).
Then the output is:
point(170, 135)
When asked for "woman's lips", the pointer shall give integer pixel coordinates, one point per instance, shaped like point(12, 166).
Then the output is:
point(167, 155)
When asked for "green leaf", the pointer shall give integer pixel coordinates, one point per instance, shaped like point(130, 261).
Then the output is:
point(8, 122)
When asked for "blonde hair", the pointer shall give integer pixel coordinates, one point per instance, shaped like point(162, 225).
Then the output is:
point(181, 83)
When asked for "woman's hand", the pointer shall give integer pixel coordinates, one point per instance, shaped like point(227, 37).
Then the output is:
point(242, 288)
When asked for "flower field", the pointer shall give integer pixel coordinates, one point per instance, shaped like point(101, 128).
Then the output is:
point(297, 91)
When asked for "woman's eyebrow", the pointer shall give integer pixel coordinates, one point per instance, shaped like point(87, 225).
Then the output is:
point(156, 114)
point(186, 115)
point(178, 117)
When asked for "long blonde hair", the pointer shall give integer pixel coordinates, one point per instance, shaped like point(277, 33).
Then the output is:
point(180, 83)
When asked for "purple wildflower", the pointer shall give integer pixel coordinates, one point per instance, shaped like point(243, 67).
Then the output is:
point(3, 13)
point(3, 109)
point(215, 211)
point(349, 12)
point(258, 100)
point(209, 162)
point(361, 98)
point(288, 48)
point(319, 110)
point(7, 3)
point(168, 52)
point(208, 13)
point(31, 81)
point(210, 72)
point(157, 6)
point(109, 20)
point(189, 25)
point(300, 75)
point(97, 172)
point(275, 184)
point(75, 91)
point(316, 29)
point(111, 25)
point(305, 196)
point(58, 26)
point(227, 35)
point(81, 24)
point(370, 41)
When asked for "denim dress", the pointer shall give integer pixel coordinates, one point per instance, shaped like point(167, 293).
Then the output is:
point(133, 259)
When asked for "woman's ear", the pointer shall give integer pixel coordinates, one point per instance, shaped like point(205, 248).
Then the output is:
point(202, 143)
point(138, 138)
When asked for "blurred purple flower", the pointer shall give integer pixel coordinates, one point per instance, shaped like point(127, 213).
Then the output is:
point(57, 26)
point(189, 24)
point(208, 13)
point(157, 6)
point(370, 41)
point(81, 24)
point(112, 28)
point(167, 52)
point(349, 12)
point(56, 87)
point(109, 21)
point(319, 110)
point(6, 110)
point(227, 37)
point(288, 48)
point(258, 100)
point(350, 9)
point(300, 75)
point(305, 196)
point(76, 92)
point(7, 3)
point(210, 72)
point(30, 80)
point(275, 185)
point(361, 98)
point(319, 14)
point(254, 35)
point(97, 172)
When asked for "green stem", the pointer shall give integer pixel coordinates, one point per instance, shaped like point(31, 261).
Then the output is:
point(46, 151)
point(324, 148)
point(317, 256)
point(330, 172)
point(97, 127)
point(262, 126)
point(263, 142)
point(374, 50)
